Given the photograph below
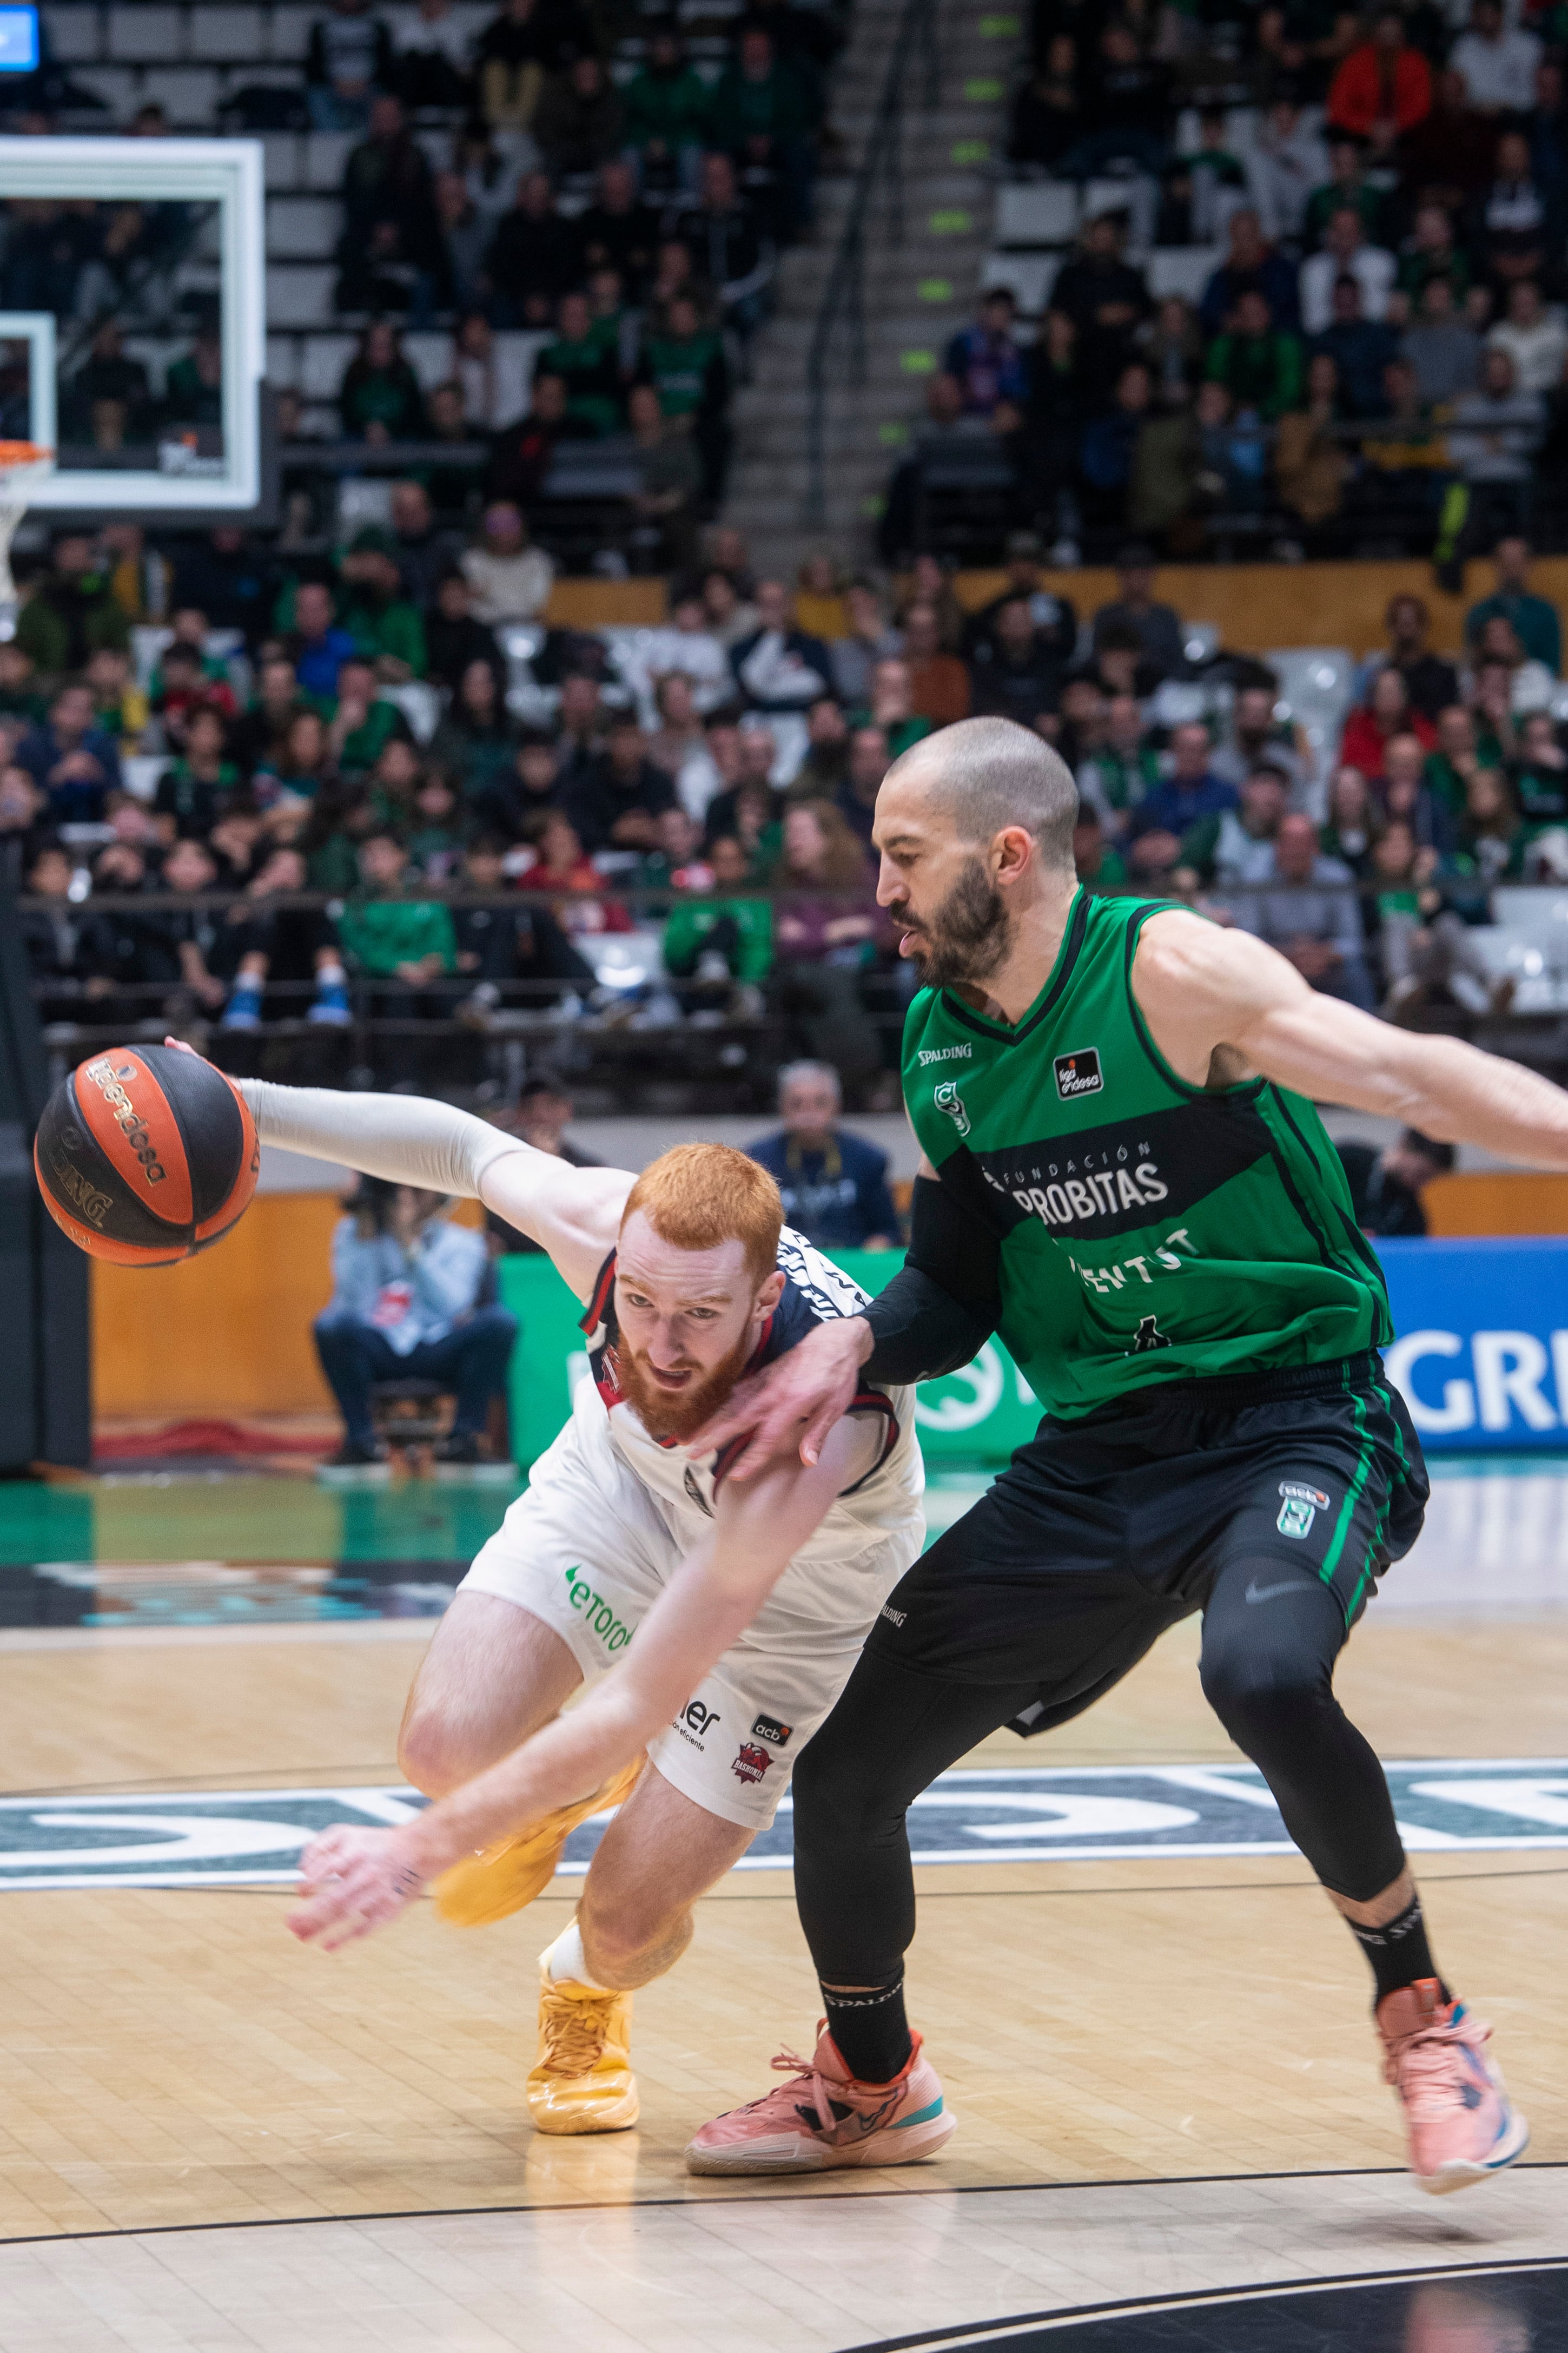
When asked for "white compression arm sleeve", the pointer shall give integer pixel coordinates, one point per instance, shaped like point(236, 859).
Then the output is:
point(408, 1139)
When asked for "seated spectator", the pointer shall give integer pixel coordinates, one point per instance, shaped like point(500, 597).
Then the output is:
point(890, 708)
point(579, 122)
point(726, 252)
point(1447, 772)
point(508, 579)
point(430, 48)
point(1238, 846)
point(1048, 115)
point(1534, 620)
point(671, 480)
point(1405, 468)
point(1496, 65)
point(1251, 265)
point(826, 761)
point(289, 956)
point(1159, 627)
point(1538, 776)
point(1491, 837)
point(1123, 770)
point(761, 113)
point(685, 363)
point(1348, 188)
point(678, 744)
point(939, 683)
point(407, 1284)
point(1289, 160)
point(1345, 254)
point(62, 944)
point(1311, 915)
point(511, 952)
point(870, 757)
point(1382, 88)
point(391, 246)
point(1361, 349)
point(523, 452)
point(666, 111)
point(347, 59)
point(438, 828)
point(866, 639)
point(523, 44)
point(476, 742)
point(1103, 297)
point(986, 361)
point(1370, 728)
point(533, 258)
point(833, 1185)
point(300, 765)
point(1492, 439)
point(1098, 865)
point(614, 800)
point(316, 644)
point(1422, 945)
point(193, 793)
point(1259, 364)
point(379, 399)
point(777, 668)
point(1453, 149)
point(71, 759)
point(1401, 792)
point(1443, 350)
point(454, 639)
point(1191, 791)
point(1386, 1187)
point(1256, 738)
point(401, 942)
point(587, 361)
point(1109, 445)
point(1429, 252)
point(1347, 833)
point(1517, 222)
point(1431, 682)
point(1311, 464)
point(1530, 683)
point(1126, 102)
point(1535, 342)
point(383, 622)
point(24, 805)
point(721, 947)
point(825, 926)
point(72, 611)
point(1016, 670)
point(562, 865)
point(19, 695)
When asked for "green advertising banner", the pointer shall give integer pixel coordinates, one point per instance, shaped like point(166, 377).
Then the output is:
point(979, 1414)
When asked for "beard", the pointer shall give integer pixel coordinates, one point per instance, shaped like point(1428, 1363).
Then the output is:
point(671, 1413)
point(968, 935)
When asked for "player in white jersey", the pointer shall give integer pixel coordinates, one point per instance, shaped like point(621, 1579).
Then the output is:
point(727, 1618)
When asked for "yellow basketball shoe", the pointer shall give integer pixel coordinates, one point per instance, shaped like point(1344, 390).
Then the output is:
point(582, 2080)
point(502, 1879)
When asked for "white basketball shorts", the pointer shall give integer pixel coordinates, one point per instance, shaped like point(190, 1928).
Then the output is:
point(587, 1549)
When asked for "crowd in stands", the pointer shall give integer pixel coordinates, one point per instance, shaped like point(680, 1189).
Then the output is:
point(358, 813)
point(1376, 360)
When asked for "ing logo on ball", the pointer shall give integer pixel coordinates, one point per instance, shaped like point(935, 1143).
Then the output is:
point(109, 1083)
point(77, 1190)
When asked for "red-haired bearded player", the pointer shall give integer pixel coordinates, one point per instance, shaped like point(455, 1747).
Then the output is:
point(748, 1604)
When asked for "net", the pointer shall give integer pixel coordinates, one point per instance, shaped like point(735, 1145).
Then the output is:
point(23, 465)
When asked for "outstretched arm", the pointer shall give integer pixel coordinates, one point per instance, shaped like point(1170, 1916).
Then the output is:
point(1204, 991)
point(575, 1213)
point(353, 1880)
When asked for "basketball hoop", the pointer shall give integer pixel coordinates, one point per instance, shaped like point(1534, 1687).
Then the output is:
point(23, 465)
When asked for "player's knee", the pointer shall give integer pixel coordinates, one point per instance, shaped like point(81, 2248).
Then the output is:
point(1262, 1692)
point(838, 1796)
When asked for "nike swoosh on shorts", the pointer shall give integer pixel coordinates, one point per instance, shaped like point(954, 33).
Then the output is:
point(1256, 1592)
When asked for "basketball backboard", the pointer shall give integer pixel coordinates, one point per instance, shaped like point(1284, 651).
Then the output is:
point(132, 319)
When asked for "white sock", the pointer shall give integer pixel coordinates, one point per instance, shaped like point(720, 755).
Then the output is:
point(565, 1961)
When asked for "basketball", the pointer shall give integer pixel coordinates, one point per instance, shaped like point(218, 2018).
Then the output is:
point(145, 1156)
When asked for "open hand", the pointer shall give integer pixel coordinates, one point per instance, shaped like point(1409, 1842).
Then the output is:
point(795, 1402)
point(352, 1881)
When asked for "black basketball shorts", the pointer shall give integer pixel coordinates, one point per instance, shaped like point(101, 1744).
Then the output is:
point(1105, 1530)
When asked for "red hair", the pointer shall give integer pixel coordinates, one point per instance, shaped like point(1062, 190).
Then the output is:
point(701, 1194)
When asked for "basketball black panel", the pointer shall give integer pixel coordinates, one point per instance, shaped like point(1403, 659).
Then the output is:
point(87, 1186)
point(202, 1101)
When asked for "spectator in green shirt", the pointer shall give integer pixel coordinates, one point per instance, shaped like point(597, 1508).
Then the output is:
point(1535, 622)
point(685, 363)
point(586, 361)
point(379, 398)
point(1258, 363)
point(374, 610)
point(403, 945)
point(668, 112)
point(723, 947)
point(363, 724)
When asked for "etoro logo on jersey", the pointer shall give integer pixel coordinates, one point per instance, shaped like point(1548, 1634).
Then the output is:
point(1078, 1074)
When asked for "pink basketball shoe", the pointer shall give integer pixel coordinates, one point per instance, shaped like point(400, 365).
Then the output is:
point(823, 2118)
point(1461, 2122)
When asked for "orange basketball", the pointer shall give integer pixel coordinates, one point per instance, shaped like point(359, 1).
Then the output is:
point(145, 1156)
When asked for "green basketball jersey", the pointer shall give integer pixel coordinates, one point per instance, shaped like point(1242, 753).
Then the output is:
point(1149, 1231)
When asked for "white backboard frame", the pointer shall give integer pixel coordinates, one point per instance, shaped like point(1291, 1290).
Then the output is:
point(225, 172)
point(36, 330)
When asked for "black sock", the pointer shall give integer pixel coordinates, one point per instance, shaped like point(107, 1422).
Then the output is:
point(870, 2030)
point(1398, 1951)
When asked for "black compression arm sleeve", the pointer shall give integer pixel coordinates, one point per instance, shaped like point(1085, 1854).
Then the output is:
point(943, 1304)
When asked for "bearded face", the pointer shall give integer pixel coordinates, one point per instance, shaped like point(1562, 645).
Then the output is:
point(676, 1413)
point(966, 937)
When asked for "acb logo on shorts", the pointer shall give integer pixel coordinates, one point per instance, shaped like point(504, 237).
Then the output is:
point(1299, 1508)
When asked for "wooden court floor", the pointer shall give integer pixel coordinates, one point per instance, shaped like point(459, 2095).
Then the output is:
point(172, 2058)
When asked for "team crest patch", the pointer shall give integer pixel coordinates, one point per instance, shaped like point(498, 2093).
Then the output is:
point(750, 1763)
point(1298, 1508)
point(1078, 1074)
point(947, 1098)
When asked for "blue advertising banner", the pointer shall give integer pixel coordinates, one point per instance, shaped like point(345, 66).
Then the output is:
point(1481, 1355)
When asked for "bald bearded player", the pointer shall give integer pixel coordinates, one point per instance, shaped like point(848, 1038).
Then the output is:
point(1124, 1175)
